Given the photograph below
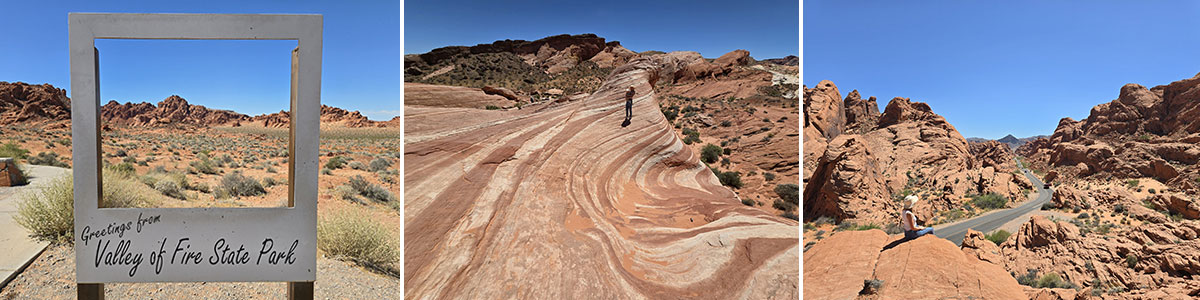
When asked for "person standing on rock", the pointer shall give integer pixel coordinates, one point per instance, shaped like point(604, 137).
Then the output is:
point(629, 104)
point(909, 220)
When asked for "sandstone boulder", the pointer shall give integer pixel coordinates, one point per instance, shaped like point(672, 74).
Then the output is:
point(836, 267)
point(933, 268)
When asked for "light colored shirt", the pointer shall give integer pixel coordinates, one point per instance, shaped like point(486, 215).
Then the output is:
point(908, 220)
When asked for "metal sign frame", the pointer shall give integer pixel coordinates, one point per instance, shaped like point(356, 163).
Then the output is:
point(292, 229)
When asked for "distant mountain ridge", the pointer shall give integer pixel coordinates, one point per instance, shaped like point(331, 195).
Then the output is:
point(1012, 141)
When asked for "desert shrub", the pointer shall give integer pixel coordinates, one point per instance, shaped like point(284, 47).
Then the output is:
point(271, 169)
point(1054, 281)
point(691, 136)
point(379, 164)
point(730, 179)
point(237, 185)
point(998, 237)
point(370, 190)
point(748, 202)
point(1131, 260)
point(48, 212)
point(789, 192)
point(1029, 279)
point(204, 165)
point(492, 107)
point(1152, 191)
point(726, 123)
point(1119, 208)
point(46, 159)
point(125, 169)
point(354, 165)
point(768, 176)
point(823, 220)
point(345, 192)
point(989, 201)
point(121, 153)
point(169, 188)
point(1048, 206)
point(326, 171)
point(1132, 182)
point(353, 234)
point(781, 205)
point(790, 215)
point(871, 286)
point(1083, 216)
point(671, 113)
point(710, 153)
point(335, 163)
point(269, 182)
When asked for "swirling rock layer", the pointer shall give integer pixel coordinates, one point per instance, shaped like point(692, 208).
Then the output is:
point(560, 201)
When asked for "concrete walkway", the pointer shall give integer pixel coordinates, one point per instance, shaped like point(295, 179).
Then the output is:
point(17, 248)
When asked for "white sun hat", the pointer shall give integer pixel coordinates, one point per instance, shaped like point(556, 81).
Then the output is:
point(911, 200)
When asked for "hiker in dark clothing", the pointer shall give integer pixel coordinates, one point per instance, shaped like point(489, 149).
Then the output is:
point(629, 104)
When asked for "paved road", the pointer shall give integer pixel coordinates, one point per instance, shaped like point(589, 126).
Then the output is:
point(16, 248)
point(995, 219)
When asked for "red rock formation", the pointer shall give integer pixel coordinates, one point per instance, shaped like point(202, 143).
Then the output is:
point(329, 116)
point(925, 268)
point(450, 96)
point(1165, 256)
point(555, 53)
point(1143, 133)
point(504, 92)
point(861, 115)
point(858, 176)
point(993, 154)
point(172, 110)
point(513, 203)
point(22, 102)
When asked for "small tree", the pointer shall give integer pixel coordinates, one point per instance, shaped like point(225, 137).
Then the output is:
point(710, 153)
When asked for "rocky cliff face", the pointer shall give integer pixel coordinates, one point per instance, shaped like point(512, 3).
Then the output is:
point(1143, 133)
point(860, 174)
point(1151, 261)
point(172, 110)
point(22, 102)
point(329, 116)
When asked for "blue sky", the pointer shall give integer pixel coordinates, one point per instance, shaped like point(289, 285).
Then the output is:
point(768, 29)
point(360, 66)
point(1005, 67)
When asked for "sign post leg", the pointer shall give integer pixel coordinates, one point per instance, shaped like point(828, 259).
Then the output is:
point(300, 291)
point(90, 291)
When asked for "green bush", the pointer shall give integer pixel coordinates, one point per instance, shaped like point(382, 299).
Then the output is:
point(989, 201)
point(237, 185)
point(354, 165)
point(691, 136)
point(379, 164)
point(730, 179)
point(48, 211)
point(47, 159)
point(169, 188)
point(353, 234)
point(370, 190)
point(710, 153)
point(748, 202)
point(492, 107)
point(1131, 260)
point(1053, 281)
point(335, 163)
point(204, 165)
point(998, 237)
point(789, 192)
point(768, 176)
point(13, 150)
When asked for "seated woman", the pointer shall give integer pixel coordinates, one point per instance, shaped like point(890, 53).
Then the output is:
point(909, 220)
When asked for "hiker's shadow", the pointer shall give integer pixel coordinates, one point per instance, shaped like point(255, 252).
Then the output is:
point(895, 243)
point(625, 123)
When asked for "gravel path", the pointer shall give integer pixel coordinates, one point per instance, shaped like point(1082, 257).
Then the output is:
point(52, 276)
